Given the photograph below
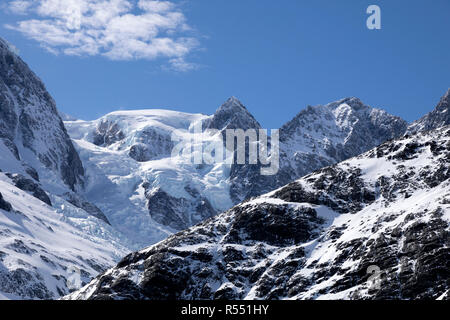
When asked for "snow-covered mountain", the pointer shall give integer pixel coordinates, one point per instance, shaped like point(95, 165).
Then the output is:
point(79, 203)
point(374, 227)
point(47, 227)
point(437, 118)
point(321, 136)
point(148, 195)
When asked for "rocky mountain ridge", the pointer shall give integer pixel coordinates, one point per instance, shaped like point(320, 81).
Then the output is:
point(30, 127)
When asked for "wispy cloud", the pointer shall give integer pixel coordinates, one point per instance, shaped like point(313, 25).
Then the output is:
point(116, 29)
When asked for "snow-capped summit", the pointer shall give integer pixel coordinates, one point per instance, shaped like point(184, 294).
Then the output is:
point(341, 129)
point(132, 177)
point(437, 118)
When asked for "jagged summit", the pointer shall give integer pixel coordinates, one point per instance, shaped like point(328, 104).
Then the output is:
point(354, 102)
point(232, 103)
point(347, 121)
point(317, 137)
point(437, 118)
point(445, 101)
point(232, 115)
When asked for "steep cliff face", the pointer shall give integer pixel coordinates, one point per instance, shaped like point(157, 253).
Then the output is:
point(48, 231)
point(372, 227)
point(30, 126)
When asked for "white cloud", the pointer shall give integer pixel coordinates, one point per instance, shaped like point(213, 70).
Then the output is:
point(19, 6)
point(117, 29)
point(155, 6)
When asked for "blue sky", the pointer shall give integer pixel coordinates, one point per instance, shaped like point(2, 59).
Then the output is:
point(277, 57)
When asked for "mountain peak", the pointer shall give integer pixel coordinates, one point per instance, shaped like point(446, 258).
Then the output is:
point(444, 103)
point(439, 117)
point(232, 103)
point(233, 115)
point(353, 102)
point(6, 46)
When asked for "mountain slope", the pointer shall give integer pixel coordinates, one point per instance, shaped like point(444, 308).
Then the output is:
point(43, 253)
point(322, 236)
point(34, 144)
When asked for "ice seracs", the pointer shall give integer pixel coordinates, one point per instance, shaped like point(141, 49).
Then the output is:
point(132, 177)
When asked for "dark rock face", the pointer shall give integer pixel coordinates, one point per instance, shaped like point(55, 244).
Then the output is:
point(30, 186)
point(424, 260)
point(4, 205)
point(342, 191)
point(151, 145)
point(373, 227)
point(438, 118)
point(274, 224)
point(24, 283)
point(107, 133)
point(140, 153)
point(233, 115)
point(32, 173)
point(28, 114)
point(177, 213)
